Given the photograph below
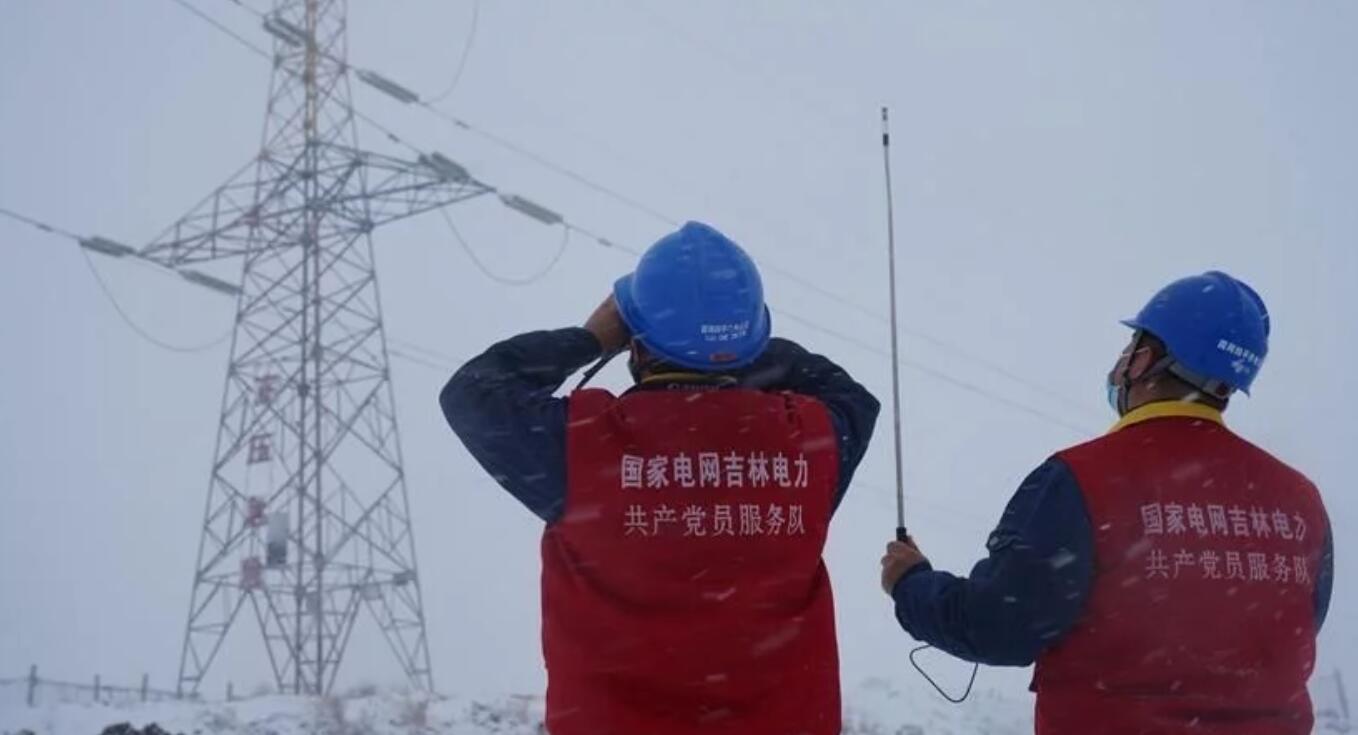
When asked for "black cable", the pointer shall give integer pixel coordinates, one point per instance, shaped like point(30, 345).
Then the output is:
point(108, 292)
point(386, 131)
point(955, 700)
point(414, 359)
point(466, 53)
point(223, 28)
point(550, 165)
point(445, 359)
point(240, 4)
point(50, 229)
point(132, 324)
point(513, 281)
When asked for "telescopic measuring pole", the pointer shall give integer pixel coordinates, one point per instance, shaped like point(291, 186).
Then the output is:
point(901, 534)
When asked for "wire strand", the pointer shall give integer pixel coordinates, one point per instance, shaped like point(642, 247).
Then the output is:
point(512, 281)
point(551, 165)
point(247, 8)
point(466, 53)
point(443, 357)
point(223, 28)
point(50, 229)
point(416, 360)
point(135, 327)
point(108, 291)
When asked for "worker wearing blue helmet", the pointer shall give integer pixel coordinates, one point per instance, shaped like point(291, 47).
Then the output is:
point(1168, 577)
point(682, 588)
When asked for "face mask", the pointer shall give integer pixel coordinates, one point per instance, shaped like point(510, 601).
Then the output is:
point(1113, 391)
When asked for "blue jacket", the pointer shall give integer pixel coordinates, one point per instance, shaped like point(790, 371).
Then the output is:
point(1019, 600)
point(501, 406)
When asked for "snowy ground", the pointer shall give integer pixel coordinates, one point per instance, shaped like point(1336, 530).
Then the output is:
point(875, 708)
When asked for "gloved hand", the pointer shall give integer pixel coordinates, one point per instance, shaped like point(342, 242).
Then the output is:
point(900, 558)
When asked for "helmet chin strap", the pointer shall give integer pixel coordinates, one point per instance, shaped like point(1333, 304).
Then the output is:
point(1125, 384)
point(634, 366)
point(596, 367)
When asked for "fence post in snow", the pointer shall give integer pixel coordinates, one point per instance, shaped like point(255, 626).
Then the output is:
point(96, 688)
point(32, 683)
point(230, 692)
point(145, 684)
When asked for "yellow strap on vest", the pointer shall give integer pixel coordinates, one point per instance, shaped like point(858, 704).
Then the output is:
point(689, 378)
point(1169, 409)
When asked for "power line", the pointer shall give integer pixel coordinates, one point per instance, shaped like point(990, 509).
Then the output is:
point(417, 360)
point(108, 291)
point(913, 364)
point(937, 374)
point(462, 124)
point(450, 361)
point(43, 226)
point(512, 281)
point(223, 28)
point(137, 328)
point(633, 203)
point(466, 53)
point(408, 96)
point(767, 264)
point(550, 165)
point(607, 244)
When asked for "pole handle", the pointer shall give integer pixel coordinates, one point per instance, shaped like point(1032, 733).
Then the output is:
point(902, 535)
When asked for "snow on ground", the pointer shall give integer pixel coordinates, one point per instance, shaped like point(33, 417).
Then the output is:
point(378, 714)
point(882, 707)
point(877, 707)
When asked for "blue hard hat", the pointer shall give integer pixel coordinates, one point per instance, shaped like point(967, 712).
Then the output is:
point(1214, 326)
point(696, 301)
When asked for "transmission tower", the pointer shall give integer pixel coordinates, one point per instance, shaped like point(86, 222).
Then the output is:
point(307, 521)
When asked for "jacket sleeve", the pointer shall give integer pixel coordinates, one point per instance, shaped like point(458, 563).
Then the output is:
point(1325, 579)
point(500, 405)
point(786, 365)
point(1025, 595)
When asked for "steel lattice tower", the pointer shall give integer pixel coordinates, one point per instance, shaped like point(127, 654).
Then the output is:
point(307, 520)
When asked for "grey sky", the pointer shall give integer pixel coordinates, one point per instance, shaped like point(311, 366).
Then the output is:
point(1055, 164)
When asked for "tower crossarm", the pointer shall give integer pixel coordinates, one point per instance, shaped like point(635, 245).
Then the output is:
point(260, 205)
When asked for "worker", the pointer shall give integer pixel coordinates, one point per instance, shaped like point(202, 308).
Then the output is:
point(1168, 577)
point(683, 588)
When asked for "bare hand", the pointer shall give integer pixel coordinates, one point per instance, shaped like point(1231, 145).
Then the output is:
point(607, 326)
point(899, 559)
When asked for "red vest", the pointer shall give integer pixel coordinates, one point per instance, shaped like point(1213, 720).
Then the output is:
point(683, 589)
point(1201, 617)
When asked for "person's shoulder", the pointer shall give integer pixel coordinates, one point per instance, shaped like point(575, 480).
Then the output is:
point(1278, 466)
point(1086, 450)
point(589, 402)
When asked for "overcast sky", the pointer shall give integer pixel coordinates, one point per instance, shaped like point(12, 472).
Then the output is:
point(1055, 164)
